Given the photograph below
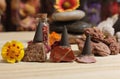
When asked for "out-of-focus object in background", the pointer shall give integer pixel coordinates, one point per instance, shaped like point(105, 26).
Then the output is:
point(28, 9)
point(109, 8)
point(11, 16)
point(67, 15)
point(106, 26)
point(1, 27)
point(19, 15)
point(2, 9)
point(93, 10)
point(47, 6)
point(2, 6)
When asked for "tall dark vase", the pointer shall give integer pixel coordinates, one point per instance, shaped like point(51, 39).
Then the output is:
point(47, 6)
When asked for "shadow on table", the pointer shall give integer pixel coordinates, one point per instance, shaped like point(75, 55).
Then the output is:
point(3, 61)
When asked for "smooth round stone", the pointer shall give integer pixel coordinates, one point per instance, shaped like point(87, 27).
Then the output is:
point(118, 35)
point(109, 31)
point(72, 26)
point(119, 40)
point(107, 27)
point(68, 16)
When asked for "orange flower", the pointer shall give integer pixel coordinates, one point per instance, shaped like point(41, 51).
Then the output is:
point(54, 37)
point(66, 5)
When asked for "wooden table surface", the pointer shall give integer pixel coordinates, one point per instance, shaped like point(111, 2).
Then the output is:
point(105, 67)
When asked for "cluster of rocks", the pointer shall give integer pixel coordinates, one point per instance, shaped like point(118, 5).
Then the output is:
point(101, 45)
point(71, 19)
point(60, 52)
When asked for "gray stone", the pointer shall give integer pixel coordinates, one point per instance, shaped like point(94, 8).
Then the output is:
point(68, 16)
point(72, 26)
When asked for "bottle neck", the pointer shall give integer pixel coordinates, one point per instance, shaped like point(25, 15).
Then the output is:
point(43, 20)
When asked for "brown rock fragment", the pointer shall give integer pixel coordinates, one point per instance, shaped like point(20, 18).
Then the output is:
point(112, 44)
point(96, 34)
point(35, 52)
point(114, 48)
point(110, 39)
point(100, 49)
point(62, 54)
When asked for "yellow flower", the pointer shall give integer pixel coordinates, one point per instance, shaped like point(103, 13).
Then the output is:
point(13, 51)
point(66, 5)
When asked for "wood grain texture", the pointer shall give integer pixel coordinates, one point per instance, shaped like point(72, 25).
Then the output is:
point(105, 67)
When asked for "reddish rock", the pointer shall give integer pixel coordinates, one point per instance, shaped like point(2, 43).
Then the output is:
point(100, 49)
point(110, 39)
point(86, 59)
point(62, 54)
point(114, 48)
point(95, 33)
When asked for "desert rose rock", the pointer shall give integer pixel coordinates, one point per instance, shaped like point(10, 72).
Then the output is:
point(96, 34)
point(100, 49)
point(114, 48)
point(109, 39)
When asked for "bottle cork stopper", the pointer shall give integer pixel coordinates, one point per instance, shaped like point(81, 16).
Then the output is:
point(42, 15)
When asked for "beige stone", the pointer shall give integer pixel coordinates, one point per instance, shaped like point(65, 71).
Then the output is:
point(68, 16)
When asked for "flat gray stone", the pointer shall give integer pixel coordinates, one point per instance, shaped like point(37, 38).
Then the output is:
point(72, 26)
point(68, 16)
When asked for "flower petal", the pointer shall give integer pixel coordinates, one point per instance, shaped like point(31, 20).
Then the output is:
point(3, 55)
point(21, 55)
point(11, 60)
point(12, 51)
point(66, 5)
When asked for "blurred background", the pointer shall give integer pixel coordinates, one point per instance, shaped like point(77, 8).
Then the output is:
point(20, 15)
